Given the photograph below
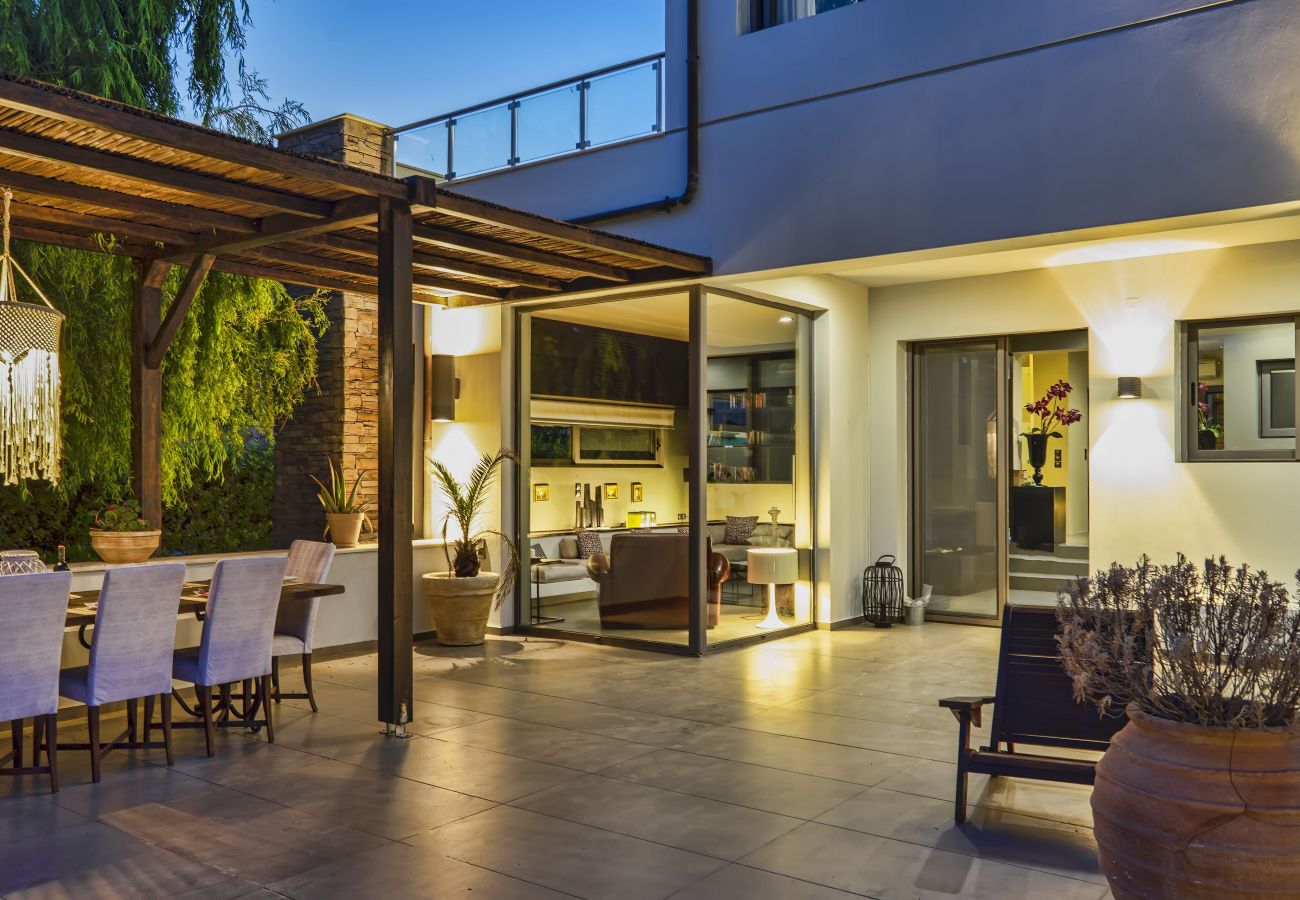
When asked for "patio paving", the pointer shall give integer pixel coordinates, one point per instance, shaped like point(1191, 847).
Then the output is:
point(813, 767)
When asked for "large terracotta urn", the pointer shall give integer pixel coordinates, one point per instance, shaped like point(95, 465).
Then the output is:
point(1185, 812)
point(461, 606)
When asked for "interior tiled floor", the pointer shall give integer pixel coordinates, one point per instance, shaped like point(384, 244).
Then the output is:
point(738, 617)
point(817, 766)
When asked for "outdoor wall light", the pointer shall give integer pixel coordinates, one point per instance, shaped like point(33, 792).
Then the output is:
point(1130, 388)
point(441, 388)
point(786, 320)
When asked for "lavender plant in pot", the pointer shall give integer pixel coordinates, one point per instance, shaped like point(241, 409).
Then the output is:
point(1198, 795)
point(463, 597)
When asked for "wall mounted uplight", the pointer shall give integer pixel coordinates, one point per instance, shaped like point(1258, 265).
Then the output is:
point(441, 388)
point(1130, 388)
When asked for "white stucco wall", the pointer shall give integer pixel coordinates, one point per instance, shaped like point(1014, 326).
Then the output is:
point(1196, 114)
point(1142, 499)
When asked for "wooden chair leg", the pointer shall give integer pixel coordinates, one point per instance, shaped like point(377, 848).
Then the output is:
point(92, 724)
point(16, 736)
point(266, 704)
point(38, 735)
point(131, 712)
point(166, 701)
point(52, 750)
point(204, 695)
point(247, 687)
point(275, 676)
point(963, 751)
point(148, 717)
point(306, 679)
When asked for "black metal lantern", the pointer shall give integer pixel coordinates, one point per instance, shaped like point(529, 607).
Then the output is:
point(882, 592)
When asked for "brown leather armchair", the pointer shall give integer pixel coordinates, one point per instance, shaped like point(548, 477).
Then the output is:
point(644, 582)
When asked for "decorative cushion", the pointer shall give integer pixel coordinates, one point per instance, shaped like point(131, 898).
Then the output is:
point(568, 548)
point(589, 543)
point(739, 529)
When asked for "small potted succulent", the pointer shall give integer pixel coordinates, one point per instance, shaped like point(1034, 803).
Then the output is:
point(344, 514)
point(122, 535)
point(464, 596)
point(1199, 794)
point(1050, 411)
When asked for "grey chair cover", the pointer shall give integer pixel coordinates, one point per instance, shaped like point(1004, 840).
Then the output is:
point(236, 642)
point(295, 623)
point(33, 612)
point(135, 632)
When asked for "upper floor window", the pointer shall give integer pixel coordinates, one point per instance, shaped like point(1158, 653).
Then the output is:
point(1240, 389)
point(754, 15)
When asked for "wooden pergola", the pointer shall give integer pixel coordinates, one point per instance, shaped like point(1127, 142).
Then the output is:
point(170, 193)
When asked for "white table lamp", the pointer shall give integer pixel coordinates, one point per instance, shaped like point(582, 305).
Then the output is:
point(772, 566)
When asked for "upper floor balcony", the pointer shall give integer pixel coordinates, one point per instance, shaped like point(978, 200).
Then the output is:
point(606, 106)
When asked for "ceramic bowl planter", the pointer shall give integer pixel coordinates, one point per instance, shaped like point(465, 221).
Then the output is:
point(345, 528)
point(461, 606)
point(1190, 812)
point(124, 546)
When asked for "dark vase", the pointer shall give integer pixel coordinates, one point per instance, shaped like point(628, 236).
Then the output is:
point(1206, 439)
point(1037, 444)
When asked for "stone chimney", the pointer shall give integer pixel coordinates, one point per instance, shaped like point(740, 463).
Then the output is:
point(339, 418)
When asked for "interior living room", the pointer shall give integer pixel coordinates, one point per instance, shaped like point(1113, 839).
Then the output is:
point(610, 421)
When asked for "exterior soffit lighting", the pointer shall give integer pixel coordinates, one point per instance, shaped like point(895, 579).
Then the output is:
point(786, 320)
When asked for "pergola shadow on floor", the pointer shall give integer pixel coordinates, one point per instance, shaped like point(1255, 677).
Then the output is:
point(170, 193)
point(819, 766)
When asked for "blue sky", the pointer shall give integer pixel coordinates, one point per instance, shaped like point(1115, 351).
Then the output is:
point(396, 62)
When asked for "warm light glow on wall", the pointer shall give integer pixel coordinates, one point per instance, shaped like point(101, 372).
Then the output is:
point(465, 331)
point(1117, 250)
point(457, 452)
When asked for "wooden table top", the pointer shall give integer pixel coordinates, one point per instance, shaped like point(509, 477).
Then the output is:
point(194, 598)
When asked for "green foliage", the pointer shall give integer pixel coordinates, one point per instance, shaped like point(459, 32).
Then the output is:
point(124, 515)
point(338, 498)
point(465, 502)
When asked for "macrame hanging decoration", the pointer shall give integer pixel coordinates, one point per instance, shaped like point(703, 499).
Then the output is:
point(29, 376)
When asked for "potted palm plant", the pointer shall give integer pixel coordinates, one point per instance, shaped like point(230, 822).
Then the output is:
point(1199, 795)
point(344, 513)
point(464, 596)
point(122, 534)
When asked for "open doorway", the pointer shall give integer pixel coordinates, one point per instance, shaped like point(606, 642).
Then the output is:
point(1048, 509)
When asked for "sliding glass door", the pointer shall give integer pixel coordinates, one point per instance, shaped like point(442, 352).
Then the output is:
point(958, 476)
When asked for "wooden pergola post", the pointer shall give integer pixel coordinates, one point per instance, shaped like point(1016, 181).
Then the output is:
point(396, 476)
point(146, 390)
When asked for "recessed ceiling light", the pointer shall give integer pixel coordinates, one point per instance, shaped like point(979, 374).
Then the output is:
point(786, 320)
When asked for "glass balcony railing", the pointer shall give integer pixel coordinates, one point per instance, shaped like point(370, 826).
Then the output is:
point(592, 110)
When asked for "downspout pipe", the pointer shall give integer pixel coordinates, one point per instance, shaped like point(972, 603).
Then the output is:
point(668, 204)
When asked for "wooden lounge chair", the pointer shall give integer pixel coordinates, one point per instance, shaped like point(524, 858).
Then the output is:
point(1034, 705)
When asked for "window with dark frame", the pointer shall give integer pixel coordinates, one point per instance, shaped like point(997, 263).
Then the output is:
point(756, 15)
point(1240, 399)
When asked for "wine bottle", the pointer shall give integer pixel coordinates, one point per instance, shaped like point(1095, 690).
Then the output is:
point(62, 564)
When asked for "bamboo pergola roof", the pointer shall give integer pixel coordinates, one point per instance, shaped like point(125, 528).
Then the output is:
point(82, 167)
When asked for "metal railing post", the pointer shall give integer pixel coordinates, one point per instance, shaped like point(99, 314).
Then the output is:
point(451, 149)
point(514, 132)
point(583, 88)
point(659, 97)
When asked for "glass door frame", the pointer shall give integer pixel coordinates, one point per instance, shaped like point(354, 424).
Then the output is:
point(520, 498)
point(916, 551)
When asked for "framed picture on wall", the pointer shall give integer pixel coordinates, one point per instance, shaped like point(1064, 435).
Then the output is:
point(611, 490)
point(638, 492)
point(541, 493)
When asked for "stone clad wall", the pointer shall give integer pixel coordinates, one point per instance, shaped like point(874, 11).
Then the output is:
point(339, 419)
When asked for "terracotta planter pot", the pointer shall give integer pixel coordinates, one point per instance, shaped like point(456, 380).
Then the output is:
point(461, 606)
point(345, 528)
point(124, 546)
point(1181, 811)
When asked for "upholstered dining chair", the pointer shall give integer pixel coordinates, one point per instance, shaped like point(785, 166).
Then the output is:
point(236, 643)
point(33, 610)
point(130, 656)
point(295, 623)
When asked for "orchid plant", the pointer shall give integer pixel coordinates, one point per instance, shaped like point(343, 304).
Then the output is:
point(1052, 410)
point(1204, 417)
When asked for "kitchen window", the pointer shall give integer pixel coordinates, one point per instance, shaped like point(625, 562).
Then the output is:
point(1239, 389)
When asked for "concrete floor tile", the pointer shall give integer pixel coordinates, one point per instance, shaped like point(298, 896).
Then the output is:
point(737, 882)
point(807, 757)
point(544, 743)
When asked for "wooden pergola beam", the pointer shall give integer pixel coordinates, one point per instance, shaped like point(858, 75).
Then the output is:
point(146, 391)
point(455, 240)
point(29, 213)
point(177, 215)
point(145, 126)
point(442, 263)
point(179, 309)
point(369, 270)
point(29, 146)
point(473, 210)
point(280, 229)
